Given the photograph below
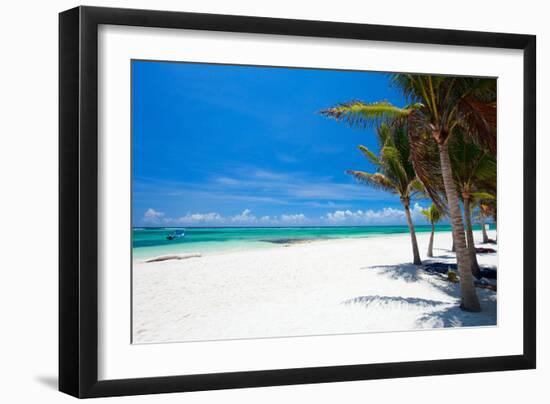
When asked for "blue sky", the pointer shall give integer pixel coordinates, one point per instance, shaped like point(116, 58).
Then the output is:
point(245, 146)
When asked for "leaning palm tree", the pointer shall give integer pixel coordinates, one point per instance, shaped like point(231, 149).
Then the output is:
point(472, 168)
point(438, 105)
point(433, 214)
point(394, 172)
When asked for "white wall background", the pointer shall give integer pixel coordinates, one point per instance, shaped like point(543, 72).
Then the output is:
point(28, 199)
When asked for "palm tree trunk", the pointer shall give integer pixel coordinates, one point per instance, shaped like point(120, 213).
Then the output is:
point(414, 242)
point(453, 248)
point(470, 236)
point(431, 245)
point(483, 229)
point(469, 298)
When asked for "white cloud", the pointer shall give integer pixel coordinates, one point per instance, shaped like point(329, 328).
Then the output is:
point(197, 218)
point(152, 216)
point(247, 218)
point(299, 218)
point(327, 205)
point(416, 211)
point(381, 216)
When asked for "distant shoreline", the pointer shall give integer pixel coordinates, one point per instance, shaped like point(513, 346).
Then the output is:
point(269, 245)
point(437, 227)
point(152, 242)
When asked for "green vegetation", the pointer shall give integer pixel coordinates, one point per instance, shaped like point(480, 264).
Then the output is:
point(433, 215)
point(395, 173)
point(446, 116)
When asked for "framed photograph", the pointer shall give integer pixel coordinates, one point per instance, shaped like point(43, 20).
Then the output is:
point(251, 201)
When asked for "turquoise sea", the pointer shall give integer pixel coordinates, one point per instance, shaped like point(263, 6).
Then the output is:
point(152, 241)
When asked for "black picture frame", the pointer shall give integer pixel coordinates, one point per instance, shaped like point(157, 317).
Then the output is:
point(78, 196)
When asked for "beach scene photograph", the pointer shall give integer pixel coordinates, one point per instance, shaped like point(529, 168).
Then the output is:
point(273, 202)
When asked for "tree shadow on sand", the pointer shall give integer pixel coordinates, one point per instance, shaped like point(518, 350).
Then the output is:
point(440, 282)
point(405, 272)
point(446, 256)
point(434, 266)
point(394, 301)
point(455, 317)
point(436, 313)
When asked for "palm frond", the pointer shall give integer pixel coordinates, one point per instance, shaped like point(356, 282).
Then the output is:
point(384, 133)
point(483, 196)
point(360, 114)
point(486, 169)
point(416, 188)
point(376, 180)
point(414, 106)
point(473, 167)
point(487, 209)
point(479, 120)
point(371, 156)
point(401, 142)
point(424, 156)
point(393, 161)
point(433, 214)
point(409, 86)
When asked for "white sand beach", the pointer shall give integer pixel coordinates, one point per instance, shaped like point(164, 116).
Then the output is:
point(336, 286)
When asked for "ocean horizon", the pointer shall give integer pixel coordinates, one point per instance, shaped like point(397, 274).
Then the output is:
point(152, 241)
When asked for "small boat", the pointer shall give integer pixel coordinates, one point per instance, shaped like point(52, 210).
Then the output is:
point(175, 234)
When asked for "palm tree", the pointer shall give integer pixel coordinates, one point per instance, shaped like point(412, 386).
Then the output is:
point(395, 172)
point(487, 206)
point(439, 104)
point(433, 215)
point(482, 216)
point(485, 211)
point(472, 168)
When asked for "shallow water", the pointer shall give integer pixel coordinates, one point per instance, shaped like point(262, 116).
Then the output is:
point(149, 242)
